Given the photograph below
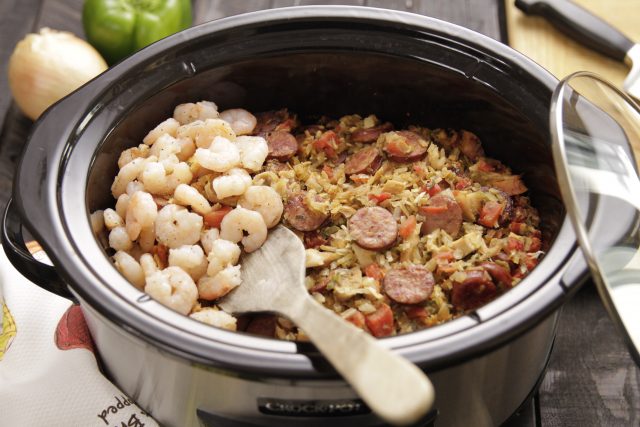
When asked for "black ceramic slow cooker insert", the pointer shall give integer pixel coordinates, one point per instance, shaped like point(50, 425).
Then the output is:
point(331, 60)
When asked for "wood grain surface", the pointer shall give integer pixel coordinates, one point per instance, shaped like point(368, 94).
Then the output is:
point(591, 380)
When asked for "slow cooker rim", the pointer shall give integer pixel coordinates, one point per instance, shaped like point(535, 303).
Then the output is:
point(302, 13)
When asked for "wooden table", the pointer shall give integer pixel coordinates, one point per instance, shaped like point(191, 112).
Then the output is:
point(590, 381)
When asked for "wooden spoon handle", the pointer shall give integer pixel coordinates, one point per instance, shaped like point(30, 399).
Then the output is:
point(394, 388)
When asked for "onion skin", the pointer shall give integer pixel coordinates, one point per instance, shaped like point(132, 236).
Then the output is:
point(47, 66)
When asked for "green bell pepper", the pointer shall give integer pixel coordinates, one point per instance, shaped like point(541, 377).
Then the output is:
point(117, 28)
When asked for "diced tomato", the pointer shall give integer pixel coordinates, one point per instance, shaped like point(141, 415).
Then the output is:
point(379, 198)
point(536, 244)
point(329, 171)
point(416, 312)
point(407, 226)
point(374, 271)
point(518, 227)
point(380, 322)
point(514, 244)
point(530, 262)
point(444, 256)
point(484, 166)
point(214, 218)
point(433, 210)
point(433, 190)
point(161, 253)
point(490, 213)
point(462, 183)
point(328, 142)
point(357, 319)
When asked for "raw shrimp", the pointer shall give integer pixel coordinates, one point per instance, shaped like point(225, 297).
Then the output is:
point(264, 200)
point(242, 122)
point(130, 268)
point(174, 288)
point(159, 181)
point(189, 196)
point(128, 173)
point(141, 213)
point(119, 239)
point(222, 254)
point(234, 183)
point(168, 127)
point(129, 155)
point(217, 318)
point(112, 219)
point(189, 258)
point(210, 288)
point(202, 133)
point(241, 220)
point(221, 155)
point(190, 112)
point(253, 151)
point(207, 238)
point(176, 226)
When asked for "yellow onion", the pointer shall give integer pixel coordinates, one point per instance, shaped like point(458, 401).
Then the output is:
point(47, 66)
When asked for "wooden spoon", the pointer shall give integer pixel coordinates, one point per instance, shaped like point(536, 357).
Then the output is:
point(273, 280)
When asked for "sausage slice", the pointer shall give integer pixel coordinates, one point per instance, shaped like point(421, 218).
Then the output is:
point(371, 134)
point(442, 212)
point(476, 290)
point(373, 228)
point(282, 145)
point(405, 146)
point(368, 160)
point(269, 121)
point(408, 285)
point(300, 215)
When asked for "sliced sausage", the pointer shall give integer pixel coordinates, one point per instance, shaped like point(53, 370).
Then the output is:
point(282, 145)
point(313, 239)
point(408, 285)
point(300, 215)
point(498, 273)
point(269, 121)
point(442, 212)
point(373, 228)
point(405, 146)
point(368, 160)
point(476, 290)
point(370, 134)
point(470, 145)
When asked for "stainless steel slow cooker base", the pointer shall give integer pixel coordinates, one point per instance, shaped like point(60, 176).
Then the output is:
point(484, 390)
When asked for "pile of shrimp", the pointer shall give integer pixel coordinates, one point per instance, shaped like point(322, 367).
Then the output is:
point(186, 207)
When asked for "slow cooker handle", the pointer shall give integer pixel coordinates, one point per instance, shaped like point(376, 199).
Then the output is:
point(14, 246)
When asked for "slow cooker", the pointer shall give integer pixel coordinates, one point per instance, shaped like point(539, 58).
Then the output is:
point(333, 60)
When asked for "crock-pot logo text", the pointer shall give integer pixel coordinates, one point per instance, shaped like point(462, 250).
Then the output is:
point(312, 408)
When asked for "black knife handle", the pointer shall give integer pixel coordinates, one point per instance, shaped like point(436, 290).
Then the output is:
point(581, 25)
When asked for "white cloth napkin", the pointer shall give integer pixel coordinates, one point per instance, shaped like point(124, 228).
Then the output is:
point(48, 370)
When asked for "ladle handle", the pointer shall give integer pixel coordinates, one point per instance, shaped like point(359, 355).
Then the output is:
point(394, 388)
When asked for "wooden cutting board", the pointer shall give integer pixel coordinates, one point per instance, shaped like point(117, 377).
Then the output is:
point(537, 39)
